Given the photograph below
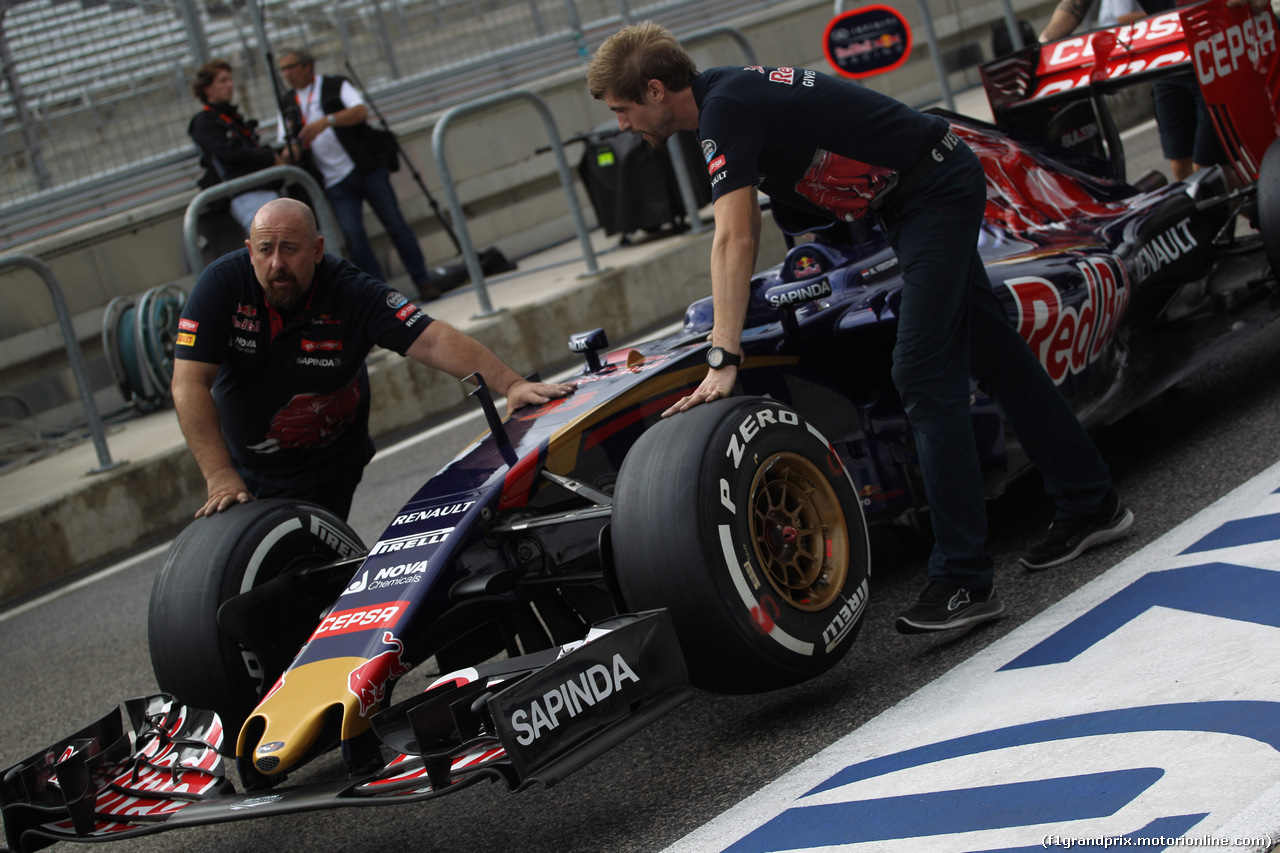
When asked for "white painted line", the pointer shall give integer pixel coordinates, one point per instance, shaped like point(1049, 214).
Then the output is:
point(1145, 705)
point(84, 581)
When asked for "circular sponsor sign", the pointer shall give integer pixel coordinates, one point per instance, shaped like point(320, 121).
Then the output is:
point(867, 41)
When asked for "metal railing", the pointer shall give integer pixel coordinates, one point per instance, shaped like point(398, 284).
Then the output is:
point(290, 175)
point(72, 345)
point(678, 163)
point(450, 191)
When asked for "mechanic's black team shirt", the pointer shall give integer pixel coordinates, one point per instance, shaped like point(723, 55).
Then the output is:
point(293, 391)
point(807, 139)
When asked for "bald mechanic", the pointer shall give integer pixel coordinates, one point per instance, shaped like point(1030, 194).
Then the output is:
point(836, 150)
point(269, 380)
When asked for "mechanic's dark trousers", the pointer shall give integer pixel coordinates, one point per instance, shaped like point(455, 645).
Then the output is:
point(952, 326)
point(348, 196)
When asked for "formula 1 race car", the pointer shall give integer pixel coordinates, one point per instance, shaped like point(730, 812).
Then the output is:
point(576, 571)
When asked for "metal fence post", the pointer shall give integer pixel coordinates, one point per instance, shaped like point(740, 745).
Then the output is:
point(450, 192)
point(1011, 21)
point(575, 27)
point(325, 219)
point(29, 136)
point(935, 52)
point(195, 31)
point(385, 35)
point(681, 168)
point(72, 345)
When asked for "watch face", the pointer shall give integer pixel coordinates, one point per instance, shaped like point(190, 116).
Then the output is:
point(718, 357)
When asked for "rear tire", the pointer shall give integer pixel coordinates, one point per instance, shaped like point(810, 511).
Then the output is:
point(221, 556)
point(739, 518)
point(1269, 205)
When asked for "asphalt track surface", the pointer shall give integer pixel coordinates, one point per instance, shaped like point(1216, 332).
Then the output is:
point(70, 658)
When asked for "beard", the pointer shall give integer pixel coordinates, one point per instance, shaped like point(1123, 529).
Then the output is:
point(658, 142)
point(283, 293)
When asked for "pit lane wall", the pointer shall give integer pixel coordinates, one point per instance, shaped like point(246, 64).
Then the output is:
point(513, 200)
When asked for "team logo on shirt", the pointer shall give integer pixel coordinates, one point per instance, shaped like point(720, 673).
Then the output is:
point(186, 339)
point(842, 185)
point(244, 320)
point(188, 325)
point(715, 165)
point(407, 311)
point(708, 149)
point(312, 419)
point(395, 299)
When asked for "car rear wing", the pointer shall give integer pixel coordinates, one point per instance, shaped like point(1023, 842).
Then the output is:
point(1056, 90)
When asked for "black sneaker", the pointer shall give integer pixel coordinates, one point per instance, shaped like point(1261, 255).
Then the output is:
point(1068, 538)
point(943, 606)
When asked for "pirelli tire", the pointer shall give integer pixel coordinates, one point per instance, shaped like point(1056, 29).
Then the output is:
point(740, 519)
point(214, 559)
point(1269, 205)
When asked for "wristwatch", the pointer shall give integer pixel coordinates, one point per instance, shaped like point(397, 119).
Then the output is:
point(329, 118)
point(718, 357)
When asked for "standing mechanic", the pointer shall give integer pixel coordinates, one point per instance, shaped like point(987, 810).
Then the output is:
point(329, 120)
point(837, 150)
point(269, 379)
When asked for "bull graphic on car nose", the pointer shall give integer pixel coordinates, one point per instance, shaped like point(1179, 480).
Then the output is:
point(368, 681)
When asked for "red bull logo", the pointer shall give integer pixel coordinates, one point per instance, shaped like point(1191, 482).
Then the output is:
point(806, 266)
point(368, 681)
point(1067, 338)
point(867, 46)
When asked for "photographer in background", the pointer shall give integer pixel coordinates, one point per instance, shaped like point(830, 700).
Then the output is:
point(228, 143)
point(329, 120)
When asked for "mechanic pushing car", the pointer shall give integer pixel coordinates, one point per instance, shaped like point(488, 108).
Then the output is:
point(832, 149)
point(269, 378)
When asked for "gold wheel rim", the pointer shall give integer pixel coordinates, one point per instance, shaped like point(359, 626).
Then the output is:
point(798, 531)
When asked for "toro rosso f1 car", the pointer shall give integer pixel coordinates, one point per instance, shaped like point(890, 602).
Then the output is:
point(576, 571)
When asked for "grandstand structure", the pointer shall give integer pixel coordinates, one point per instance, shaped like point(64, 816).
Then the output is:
point(95, 101)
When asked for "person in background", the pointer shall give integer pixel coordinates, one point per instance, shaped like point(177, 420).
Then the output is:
point(228, 143)
point(329, 121)
point(1115, 12)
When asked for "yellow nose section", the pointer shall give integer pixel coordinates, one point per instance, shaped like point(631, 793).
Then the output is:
point(293, 714)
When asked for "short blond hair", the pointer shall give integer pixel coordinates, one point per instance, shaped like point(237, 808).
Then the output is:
point(631, 57)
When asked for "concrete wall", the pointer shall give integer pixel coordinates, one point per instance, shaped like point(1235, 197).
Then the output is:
point(513, 197)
